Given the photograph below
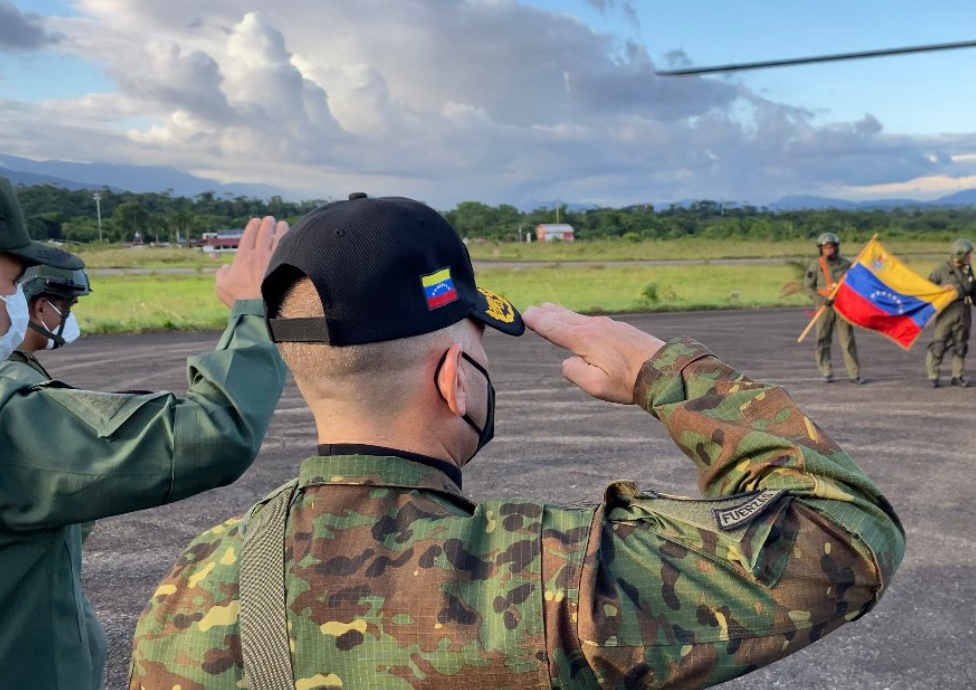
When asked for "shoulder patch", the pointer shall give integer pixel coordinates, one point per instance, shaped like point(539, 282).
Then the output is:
point(103, 405)
point(733, 517)
point(103, 412)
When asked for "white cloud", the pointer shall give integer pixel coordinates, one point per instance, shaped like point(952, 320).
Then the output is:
point(441, 99)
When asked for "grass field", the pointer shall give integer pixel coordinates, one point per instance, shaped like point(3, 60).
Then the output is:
point(130, 304)
point(179, 302)
point(114, 256)
point(134, 303)
point(687, 248)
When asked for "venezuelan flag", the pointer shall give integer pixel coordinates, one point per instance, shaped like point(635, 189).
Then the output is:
point(882, 294)
point(439, 288)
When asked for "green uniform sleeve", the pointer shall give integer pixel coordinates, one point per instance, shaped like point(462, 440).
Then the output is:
point(72, 456)
point(791, 541)
point(936, 276)
point(811, 280)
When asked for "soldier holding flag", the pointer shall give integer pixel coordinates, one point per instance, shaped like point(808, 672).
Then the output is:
point(823, 275)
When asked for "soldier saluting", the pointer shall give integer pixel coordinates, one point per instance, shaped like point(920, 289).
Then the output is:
point(70, 456)
point(953, 324)
point(823, 274)
point(373, 570)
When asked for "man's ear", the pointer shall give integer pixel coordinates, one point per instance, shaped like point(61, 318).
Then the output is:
point(451, 382)
point(39, 309)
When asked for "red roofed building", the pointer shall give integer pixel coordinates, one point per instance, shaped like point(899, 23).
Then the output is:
point(547, 232)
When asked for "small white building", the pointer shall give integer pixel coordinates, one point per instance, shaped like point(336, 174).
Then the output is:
point(547, 232)
point(221, 242)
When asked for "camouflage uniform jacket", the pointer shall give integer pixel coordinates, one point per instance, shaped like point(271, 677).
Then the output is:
point(69, 456)
point(961, 278)
point(816, 283)
point(395, 580)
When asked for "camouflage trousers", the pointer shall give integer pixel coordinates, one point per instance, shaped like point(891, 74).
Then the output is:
point(951, 333)
point(845, 334)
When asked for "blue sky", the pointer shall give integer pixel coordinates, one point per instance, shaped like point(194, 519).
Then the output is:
point(46, 74)
point(503, 100)
point(927, 93)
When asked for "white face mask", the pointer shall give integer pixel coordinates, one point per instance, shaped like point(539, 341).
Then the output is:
point(69, 332)
point(19, 314)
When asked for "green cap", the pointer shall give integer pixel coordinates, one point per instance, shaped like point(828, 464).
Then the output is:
point(15, 240)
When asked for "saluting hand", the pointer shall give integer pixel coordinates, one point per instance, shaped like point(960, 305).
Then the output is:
point(242, 278)
point(607, 354)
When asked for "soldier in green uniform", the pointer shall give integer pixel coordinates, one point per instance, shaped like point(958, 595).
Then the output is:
point(373, 570)
point(51, 293)
point(17, 253)
point(823, 274)
point(71, 456)
point(953, 323)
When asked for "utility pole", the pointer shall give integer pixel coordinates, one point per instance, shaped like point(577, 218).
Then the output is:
point(98, 209)
point(557, 215)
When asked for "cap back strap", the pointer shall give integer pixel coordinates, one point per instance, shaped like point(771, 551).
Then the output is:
point(303, 330)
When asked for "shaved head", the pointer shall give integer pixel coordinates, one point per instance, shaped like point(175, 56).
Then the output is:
point(380, 376)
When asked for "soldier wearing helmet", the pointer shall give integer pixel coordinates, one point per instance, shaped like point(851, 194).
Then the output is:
point(51, 293)
point(17, 253)
point(953, 323)
point(823, 275)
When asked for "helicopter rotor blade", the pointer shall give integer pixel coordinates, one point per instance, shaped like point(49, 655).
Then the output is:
point(738, 67)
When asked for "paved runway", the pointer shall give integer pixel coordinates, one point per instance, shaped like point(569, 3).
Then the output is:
point(555, 444)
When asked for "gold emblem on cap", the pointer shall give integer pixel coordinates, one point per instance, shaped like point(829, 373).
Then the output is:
point(499, 308)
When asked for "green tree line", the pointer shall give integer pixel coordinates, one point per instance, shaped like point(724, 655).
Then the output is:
point(61, 214)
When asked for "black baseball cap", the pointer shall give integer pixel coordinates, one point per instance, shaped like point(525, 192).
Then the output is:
point(385, 269)
point(15, 240)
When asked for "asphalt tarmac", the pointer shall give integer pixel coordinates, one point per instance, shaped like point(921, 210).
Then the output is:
point(555, 444)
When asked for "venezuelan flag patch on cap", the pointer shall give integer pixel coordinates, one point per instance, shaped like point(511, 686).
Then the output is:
point(439, 288)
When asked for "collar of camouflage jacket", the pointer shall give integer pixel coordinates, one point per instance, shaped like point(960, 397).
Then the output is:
point(376, 470)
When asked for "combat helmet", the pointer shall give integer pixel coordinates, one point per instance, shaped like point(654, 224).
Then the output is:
point(60, 282)
point(828, 238)
point(959, 249)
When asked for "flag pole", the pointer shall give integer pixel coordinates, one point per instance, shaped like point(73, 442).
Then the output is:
point(833, 293)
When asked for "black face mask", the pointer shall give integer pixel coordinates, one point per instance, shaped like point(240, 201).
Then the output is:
point(486, 433)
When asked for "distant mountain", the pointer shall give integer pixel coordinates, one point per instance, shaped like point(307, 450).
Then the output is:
point(30, 179)
point(133, 178)
point(809, 202)
point(552, 205)
point(967, 197)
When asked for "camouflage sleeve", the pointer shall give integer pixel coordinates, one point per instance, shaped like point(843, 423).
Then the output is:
point(73, 456)
point(188, 636)
point(792, 541)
